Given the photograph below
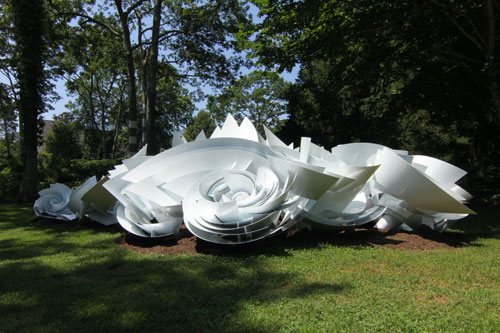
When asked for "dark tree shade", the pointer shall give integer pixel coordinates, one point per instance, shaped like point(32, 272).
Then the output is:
point(29, 36)
point(418, 75)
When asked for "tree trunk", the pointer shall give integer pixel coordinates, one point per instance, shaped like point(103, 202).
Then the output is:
point(117, 129)
point(144, 75)
point(103, 136)
point(144, 80)
point(6, 129)
point(152, 82)
point(90, 91)
point(132, 123)
point(28, 35)
point(10, 139)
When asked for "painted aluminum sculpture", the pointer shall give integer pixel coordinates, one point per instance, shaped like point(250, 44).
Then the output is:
point(90, 199)
point(237, 187)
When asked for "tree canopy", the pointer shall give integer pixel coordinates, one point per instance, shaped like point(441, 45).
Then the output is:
point(166, 32)
point(419, 75)
point(201, 122)
point(259, 96)
point(63, 141)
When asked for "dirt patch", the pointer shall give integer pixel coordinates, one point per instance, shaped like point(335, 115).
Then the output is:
point(423, 239)
point(185, 243)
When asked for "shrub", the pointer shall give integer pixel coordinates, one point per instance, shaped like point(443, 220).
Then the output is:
point(71, 172)
point(10, 178)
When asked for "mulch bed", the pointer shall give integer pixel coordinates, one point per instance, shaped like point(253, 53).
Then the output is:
point(422, 239)
point(184, 242)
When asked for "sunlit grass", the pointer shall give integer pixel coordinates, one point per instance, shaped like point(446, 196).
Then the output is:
point(67, 277)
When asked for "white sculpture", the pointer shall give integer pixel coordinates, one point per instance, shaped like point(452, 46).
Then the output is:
point(237, 187)
point(53, 202)
point(89, 199)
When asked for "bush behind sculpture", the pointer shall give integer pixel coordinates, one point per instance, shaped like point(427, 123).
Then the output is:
point(51, 169)
point(10, 178)
point(73, 172)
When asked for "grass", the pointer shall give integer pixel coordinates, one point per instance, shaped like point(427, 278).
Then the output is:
point(70, 279)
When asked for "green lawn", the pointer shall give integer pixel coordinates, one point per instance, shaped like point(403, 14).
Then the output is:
point(70, 278)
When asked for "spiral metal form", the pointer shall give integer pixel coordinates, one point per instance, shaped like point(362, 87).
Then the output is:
point(237, 187)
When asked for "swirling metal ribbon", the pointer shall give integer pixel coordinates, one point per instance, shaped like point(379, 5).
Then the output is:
point(237, 187)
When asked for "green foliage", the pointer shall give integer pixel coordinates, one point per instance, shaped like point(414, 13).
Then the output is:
point(174, 104)
point(8, 117)
point(179, 36)
point(52, 169)
point(11, 174)
point(63, 141)
point(31, 44)
point(376, 71)
point(202, 121)
point(73, 172)
point(84, 169)
point(324, 288)
point(259, 96)
point(95, 68)
point(199, 47)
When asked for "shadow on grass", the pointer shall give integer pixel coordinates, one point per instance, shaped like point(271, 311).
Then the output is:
point(90, 284)
point(56, 226)
point(485, 224)
point(122, 293)
point(72, 277)
point(421, 239)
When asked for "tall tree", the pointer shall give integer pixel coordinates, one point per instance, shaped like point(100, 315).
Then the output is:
point(174, 105)
point(151, 112)
point(181, 36)
point(192, 35)
point(260, 96)
point(94, 72)
point(129, 56)
point(29, 35)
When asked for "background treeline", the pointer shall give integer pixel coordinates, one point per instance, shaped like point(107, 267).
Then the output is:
point(417, 75)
